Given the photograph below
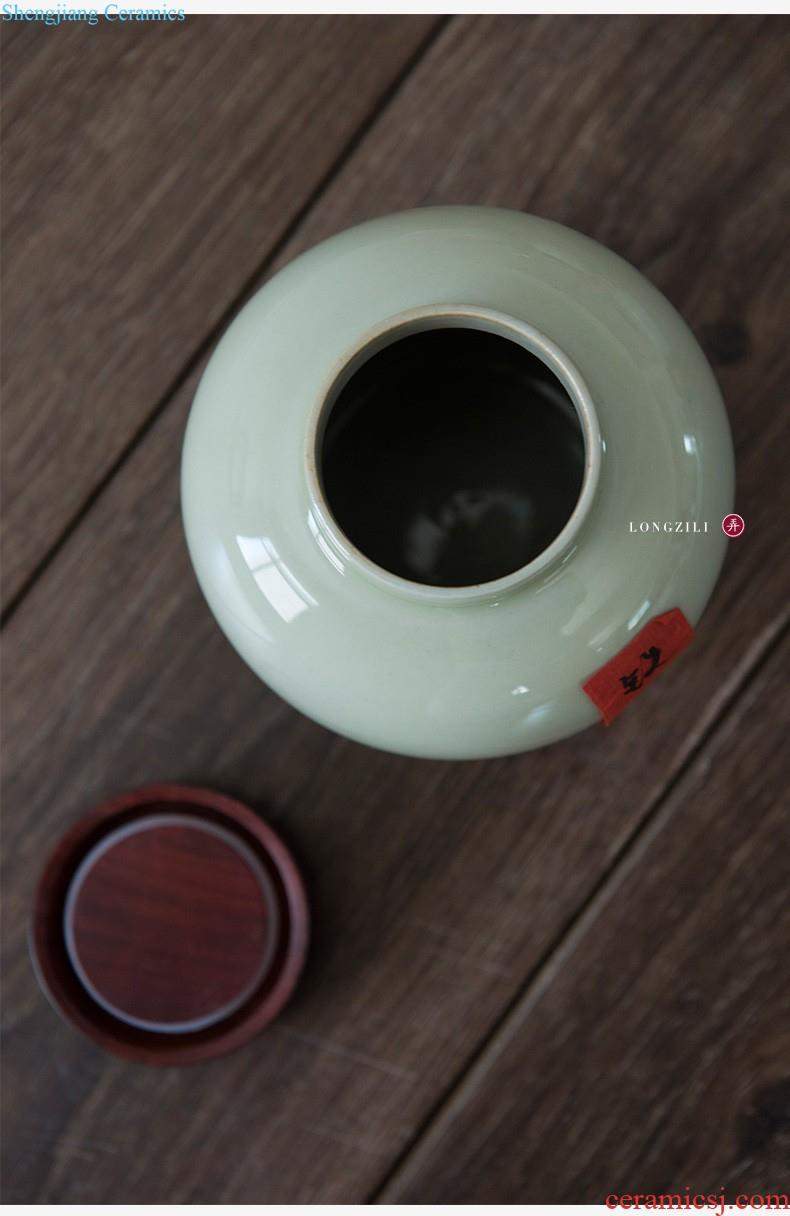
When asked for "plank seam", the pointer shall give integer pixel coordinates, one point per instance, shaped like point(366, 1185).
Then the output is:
point(204, 346)
point(496, 1038)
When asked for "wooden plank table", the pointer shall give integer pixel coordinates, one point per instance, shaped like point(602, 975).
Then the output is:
point(541, 978)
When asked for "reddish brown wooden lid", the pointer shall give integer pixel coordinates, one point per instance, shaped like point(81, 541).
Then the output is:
point(170, 925)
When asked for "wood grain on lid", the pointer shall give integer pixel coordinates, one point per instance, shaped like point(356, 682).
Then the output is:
point(170, 923)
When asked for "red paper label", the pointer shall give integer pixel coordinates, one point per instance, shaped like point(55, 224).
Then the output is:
point(615, 685)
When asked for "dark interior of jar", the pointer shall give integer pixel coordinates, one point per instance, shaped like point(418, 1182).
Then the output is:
point(452, 457)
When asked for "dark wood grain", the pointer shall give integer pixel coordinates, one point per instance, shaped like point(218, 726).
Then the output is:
point(438, 888)
point(148, 169)
point(652, 1052)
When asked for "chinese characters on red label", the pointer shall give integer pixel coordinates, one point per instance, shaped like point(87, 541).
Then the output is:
point(620, 680)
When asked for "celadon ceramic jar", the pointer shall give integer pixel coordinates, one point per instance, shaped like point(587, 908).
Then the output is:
point(447, 466)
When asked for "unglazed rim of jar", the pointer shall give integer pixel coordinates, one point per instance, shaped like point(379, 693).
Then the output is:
point(454, 316)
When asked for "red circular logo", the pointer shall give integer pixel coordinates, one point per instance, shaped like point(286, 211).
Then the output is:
point(733, 525)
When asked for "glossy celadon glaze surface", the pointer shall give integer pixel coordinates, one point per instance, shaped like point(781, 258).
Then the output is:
point(453, 672)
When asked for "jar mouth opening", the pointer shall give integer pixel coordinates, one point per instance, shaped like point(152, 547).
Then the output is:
point(453, 455)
